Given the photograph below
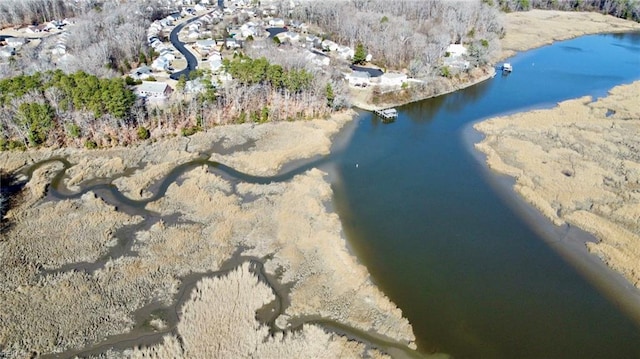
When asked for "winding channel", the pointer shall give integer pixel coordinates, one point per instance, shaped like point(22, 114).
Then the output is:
point(140, 335)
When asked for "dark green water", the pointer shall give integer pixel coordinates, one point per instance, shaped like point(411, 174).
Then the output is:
point(472, 276)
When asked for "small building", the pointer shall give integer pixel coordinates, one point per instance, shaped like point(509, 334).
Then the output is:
point(154, 90)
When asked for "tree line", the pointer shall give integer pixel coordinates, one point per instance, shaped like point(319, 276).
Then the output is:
point(625, 9)
point(53, 107)
point(407, 34)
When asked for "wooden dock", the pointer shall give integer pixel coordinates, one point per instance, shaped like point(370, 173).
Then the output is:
point(387, 115)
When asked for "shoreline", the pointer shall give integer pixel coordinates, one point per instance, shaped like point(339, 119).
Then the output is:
point(558, 26)
point(368, 106)
point(569, 241)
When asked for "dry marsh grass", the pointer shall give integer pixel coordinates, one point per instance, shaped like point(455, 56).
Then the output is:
point(218, 321)
point(199, 224)
point(579, 163)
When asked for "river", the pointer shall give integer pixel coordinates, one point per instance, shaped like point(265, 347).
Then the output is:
point(476, 277)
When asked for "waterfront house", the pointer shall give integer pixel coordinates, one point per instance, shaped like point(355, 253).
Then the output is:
point(359, 78)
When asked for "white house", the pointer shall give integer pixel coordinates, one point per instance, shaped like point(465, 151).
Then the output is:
point(7, 51)
point(59, 49)
point(232, 43)
point(393, 79)
point(160, 64)
point(456, 50)
point(204, 46)
point(141, 73)
point(276, 22)
point(329, 45)
point(345, 52)
point(154, 90)
point(15, 41)
point(316, 59)
point(359, 78)
point(215, 62)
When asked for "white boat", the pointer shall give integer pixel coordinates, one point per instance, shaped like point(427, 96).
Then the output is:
point(506, 67)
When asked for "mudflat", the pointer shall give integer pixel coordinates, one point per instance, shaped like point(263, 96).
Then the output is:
point(578, 163)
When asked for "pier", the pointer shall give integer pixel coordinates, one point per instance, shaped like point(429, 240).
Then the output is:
point(387, 115)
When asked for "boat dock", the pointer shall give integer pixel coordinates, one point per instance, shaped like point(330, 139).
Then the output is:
point(388, 114)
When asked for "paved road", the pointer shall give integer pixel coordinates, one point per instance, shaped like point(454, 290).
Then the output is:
point(192, 62)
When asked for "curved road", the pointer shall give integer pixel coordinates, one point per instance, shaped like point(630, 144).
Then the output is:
point(192, 62)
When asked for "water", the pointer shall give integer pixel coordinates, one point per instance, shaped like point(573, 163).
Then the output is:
point(472, 276)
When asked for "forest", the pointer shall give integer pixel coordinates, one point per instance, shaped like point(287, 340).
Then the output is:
point(408, 34)
point(54, 107)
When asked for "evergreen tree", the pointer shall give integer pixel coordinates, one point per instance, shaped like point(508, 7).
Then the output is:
point(360, 54)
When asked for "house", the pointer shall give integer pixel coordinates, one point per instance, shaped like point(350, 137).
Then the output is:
point(317, 59)
point(345, 52)
point(141, 73)
point(167, 54)
point(59, 49)
point(276, 22)
point(232, 43)
point(16, 42)
point(215, 62)
point(454, 57)
point(328, 45)
point(288, 36)
point(154, 90)
point(204, 46)
point(359, 78)
point(7, 51)
point(313, 41)
point(393, 79)
point(160, 64)
point(456, 50)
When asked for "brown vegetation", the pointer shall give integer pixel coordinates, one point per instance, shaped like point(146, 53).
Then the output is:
point(197, 225)
point(578, 163)
point(219, 321)
point(535, 28)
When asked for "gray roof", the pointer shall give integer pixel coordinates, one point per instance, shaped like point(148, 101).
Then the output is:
point(152, 86)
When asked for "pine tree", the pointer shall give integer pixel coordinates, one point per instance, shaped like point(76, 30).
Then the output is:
point(360, 55)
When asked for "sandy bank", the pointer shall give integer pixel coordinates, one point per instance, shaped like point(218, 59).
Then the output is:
point(52, 303)
point(530, 29)
point(579, 163)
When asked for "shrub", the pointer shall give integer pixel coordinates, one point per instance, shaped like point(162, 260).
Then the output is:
point(143, 133)
point(73, 130)
point(90, 144)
